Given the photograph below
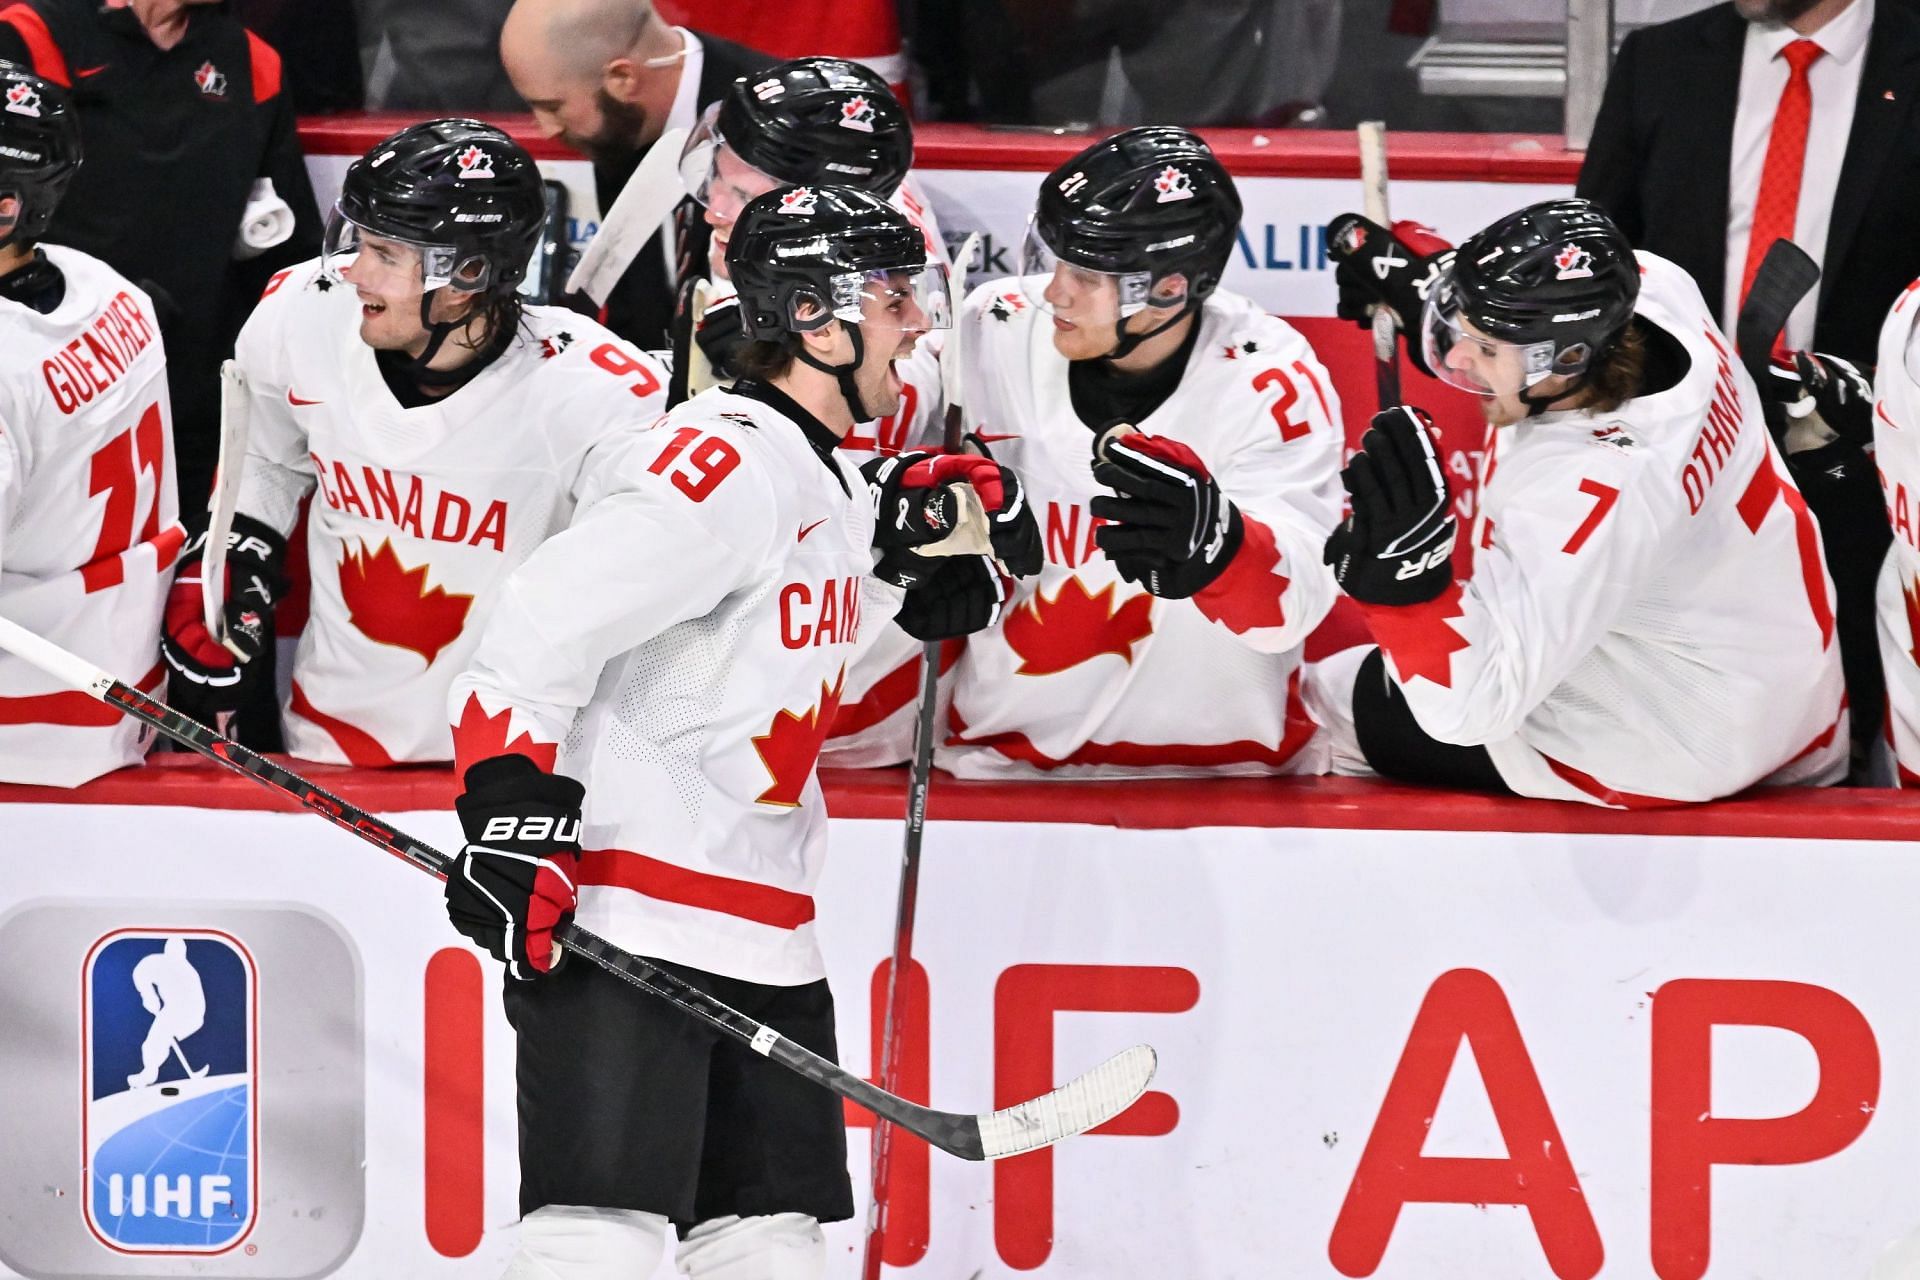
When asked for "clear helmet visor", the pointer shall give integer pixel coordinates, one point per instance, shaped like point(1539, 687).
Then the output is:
point(1083, 295)
point(1462, 357)
point(714, 174)
point(355, 256)
point(906, 300)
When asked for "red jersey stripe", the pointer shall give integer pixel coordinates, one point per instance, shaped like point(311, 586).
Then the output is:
point(652, 878)
point(72, 709)
point(359, 746)
point(1017, 746)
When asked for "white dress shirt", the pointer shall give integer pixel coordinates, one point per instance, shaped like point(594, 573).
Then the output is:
point(1834, 79)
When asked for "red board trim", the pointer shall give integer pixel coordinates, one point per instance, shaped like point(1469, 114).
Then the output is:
point(1136, 804)
point(1249, 153)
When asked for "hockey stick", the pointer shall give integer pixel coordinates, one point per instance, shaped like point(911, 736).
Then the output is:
point(187, 1066)
point(637, 212)
point(1373, 184)
point(1783, 278)
point(920, 779)
point(1092, 1099)
point(223, 500)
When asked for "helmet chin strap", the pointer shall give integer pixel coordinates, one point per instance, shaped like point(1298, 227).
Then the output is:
point(437, 334)
point(843, 373)
point(1126, 344)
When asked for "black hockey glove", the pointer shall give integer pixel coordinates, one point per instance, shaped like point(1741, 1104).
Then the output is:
point(516, 879)
point(1171, 529)
point(962, 595)
point(1821, 399)
point(208, 678)
point(1397, 546)
point(1374, 265)
point(917, 503)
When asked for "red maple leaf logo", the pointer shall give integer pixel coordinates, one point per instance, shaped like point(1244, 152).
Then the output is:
point(1419, 638)
point(1057, 635)
point(392, 604)
point(479, 736)
point(792, 743)
point(1249, 593)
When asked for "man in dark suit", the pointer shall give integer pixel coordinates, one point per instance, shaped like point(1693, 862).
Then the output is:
point(1727, 128)
point(608, 77)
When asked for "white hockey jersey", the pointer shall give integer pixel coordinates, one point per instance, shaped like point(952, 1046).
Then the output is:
point(420, 513)
point(89, 526)
point(1649, 618)
point(690, 692)
point(1087, 675)
point(875, 725)
point(1896, 447)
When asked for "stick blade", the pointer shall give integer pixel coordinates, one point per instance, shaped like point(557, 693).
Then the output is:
point(1783, 278)
point(1075, 1107)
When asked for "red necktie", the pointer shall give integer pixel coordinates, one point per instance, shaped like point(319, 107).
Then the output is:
point(1778, 201)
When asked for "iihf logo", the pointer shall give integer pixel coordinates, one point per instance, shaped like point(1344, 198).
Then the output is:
point(857, 113)
point(1573, 262)
point(212, 82)
point(1173, 184)
point(800, 200)
point(474, 163)
point(170, 1133)
point(24, 99)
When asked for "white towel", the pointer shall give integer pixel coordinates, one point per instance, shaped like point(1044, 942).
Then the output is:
point(266, 222)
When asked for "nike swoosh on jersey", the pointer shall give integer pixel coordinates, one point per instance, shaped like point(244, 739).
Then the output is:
point(296, 401)
point(87, 73)
point(807, 529)
point(988, 437)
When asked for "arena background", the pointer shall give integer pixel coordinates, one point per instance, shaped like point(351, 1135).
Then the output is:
point(1572, 1042)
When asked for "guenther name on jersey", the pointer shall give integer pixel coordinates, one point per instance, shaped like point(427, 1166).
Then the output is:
point(95, 360)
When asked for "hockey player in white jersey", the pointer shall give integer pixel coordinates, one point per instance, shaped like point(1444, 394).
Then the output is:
point(650, 762)
point(441, 426)
point(1895, 402)
point(822, 120)
point(88, 534)
point(1647, 618)
point(1182, 572)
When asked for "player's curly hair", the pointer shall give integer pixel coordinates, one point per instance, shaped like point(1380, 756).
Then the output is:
point(762, 360)
point(1616, 376)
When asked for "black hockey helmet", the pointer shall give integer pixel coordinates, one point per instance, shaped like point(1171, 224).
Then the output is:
point(1557, 280)
point(802, 256)
point(806, 120)
point(465, 193)
point(39, 150)
point(1140, 206)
